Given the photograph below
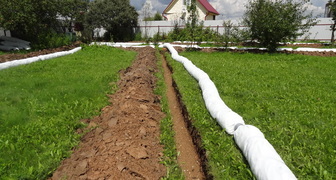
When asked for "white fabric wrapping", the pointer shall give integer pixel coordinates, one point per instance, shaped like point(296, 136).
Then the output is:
point(225, 117)
point(265, 162)
point(14, 63)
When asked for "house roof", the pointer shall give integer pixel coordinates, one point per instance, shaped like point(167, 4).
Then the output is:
point(208, 6)
point(204, 3)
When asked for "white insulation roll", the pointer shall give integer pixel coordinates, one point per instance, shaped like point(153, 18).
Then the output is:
point(14, 63)
point(226, 118)
point(265, 162)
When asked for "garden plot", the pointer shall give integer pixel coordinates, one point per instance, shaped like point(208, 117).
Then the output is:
point(283, 95)
point(131, 148)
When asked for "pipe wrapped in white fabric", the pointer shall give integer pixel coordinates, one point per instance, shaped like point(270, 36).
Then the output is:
point(225, 117)
point(265, 162)
point(14, 63)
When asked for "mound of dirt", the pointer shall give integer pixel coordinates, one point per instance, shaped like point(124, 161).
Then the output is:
point(124, 142)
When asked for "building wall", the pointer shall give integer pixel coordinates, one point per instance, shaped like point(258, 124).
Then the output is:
point(202, 12)
point(176, 12)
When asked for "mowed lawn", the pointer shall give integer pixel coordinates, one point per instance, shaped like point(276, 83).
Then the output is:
point(41, 105)
point(290, 98)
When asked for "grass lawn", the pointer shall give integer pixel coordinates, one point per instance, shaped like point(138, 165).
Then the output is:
point(41, 105)
point(291, 98)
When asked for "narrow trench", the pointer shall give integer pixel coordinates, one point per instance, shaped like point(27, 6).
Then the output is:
point(191, 156)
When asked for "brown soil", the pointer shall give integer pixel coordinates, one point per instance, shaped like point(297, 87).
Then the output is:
point(188, 158)
point(125, 142)
point(15, 56)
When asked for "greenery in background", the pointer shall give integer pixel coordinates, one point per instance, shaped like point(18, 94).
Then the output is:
point(118, 17)
point(51, 40)
point(271, 22)
point(332, 13)
point(198, 33)
point(291, 98)
point(28, 19)
point(184, 34)
point(174, 171)
point(232, 35)
point(192, 23)
point(41, 105)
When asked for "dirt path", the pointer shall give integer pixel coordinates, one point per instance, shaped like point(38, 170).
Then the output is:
point(188, 158)
point(125, 143)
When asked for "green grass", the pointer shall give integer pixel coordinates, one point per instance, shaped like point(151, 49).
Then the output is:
point(41, 105)
point(2, 52)
point(174, 171)
point(291, 98)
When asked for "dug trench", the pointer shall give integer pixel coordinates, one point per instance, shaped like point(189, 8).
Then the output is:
point(124, 141)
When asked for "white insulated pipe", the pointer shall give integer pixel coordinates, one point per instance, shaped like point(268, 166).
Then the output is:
point(14, 63)
point(265, 162)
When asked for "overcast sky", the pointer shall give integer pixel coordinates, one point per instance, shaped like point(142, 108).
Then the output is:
point(228, 9)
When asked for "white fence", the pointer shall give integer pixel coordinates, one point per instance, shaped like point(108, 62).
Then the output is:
point(321, 31)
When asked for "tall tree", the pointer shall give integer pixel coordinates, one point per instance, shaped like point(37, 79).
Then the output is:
point(118, 17)
point(192, 19)
point(26, 18)
point(274, 21)
point(72, 12)
point(332, 13)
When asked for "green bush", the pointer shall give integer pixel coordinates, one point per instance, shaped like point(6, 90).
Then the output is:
point(51, 40)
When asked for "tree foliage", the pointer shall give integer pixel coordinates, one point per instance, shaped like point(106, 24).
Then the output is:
point(274, 21)
point(333, 15)
point(32, 19)
point(118, 17)
point(73, 13)
point(26, 18)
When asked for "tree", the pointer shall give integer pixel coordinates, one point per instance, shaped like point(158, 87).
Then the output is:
point(158, 17)
point(73, 12)
point(39, 20)
point(118, 17)
point(274, 21)
point(147, 11)
point(333, 15)
point(192, 20)
point(27, 18)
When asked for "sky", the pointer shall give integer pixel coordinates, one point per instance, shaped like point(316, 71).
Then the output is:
point(229, 9)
